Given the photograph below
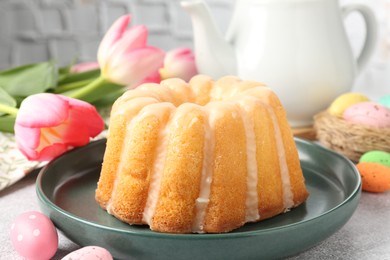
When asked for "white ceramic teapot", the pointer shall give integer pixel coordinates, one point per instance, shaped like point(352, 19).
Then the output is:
point(299, 48)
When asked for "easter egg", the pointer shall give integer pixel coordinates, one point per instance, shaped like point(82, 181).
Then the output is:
point(344, 101)
point(380, 157)
point(89, 253)
point(385, 101)
point(375, 176)
point(34, 236)
point(369, 114)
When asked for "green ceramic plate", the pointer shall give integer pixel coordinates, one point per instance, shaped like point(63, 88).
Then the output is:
point(66, 187)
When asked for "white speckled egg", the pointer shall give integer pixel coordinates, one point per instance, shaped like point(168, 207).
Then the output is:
point(34, 236)
point(89, 253)
point(369, 114)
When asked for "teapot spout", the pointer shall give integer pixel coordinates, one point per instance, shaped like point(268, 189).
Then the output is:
point(213, 54)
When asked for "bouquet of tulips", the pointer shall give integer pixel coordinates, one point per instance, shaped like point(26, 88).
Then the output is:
point(52, 110)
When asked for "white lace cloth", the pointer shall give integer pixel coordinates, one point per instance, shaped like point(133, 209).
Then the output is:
point(13, 164)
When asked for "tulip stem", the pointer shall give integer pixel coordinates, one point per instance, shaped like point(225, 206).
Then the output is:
point(8, 109)
point(71, 86)
point(91, 92)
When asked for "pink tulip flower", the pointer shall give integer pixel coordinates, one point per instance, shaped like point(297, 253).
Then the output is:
point(123, 55)
point(48, 125)
point(179, 63)
point(83, 67)
point(153, 78)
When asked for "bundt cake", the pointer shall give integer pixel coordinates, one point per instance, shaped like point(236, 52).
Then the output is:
point(203, 157)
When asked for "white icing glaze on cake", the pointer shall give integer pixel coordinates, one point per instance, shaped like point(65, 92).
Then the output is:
point(251, 204)
point(158, 166)
point(204, 193)
point(288, 197)
point(212, 111)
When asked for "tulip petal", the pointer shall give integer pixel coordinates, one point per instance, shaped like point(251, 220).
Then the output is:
point(42, 110)
point(83, 67)
point(91, 123)
point(135, 66)
point(178, 54)
point(50, 152)
point(183, 70)
point(134, 38)
point(33, 152)
point(179, 63)
point(87, 114)
point(113, 34)
point(72, 133)
point(27, 140)
point(152, 78)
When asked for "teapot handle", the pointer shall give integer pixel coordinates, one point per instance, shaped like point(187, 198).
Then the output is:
point(371, 32)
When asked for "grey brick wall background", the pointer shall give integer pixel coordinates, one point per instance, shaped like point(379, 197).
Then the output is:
point(70, 30)
point(65, 30)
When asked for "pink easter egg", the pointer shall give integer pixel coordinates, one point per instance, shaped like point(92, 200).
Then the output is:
point(34, 236)
point(369, 114)
point(89, 253)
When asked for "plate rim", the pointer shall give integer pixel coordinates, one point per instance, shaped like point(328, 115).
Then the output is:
point(230, 235)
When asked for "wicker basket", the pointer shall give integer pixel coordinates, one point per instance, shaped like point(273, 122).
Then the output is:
point(351, 140)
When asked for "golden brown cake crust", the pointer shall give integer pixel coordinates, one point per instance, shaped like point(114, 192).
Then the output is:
point(226, 209)
point(182, 174)
point(269, 184)
point(204, 156)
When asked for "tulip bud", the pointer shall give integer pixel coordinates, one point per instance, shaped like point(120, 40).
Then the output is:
point(179, 63)
point(123, 55)
point(48, 125)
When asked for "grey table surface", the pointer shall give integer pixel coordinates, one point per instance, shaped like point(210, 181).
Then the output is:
point(365, 236)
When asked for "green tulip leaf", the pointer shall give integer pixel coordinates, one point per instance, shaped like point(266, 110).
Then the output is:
point(94, 91)
point(7, 123)
point(68, 78)
point(29, 79)
point(109, 99)
point(63, 72)
point(6, 100)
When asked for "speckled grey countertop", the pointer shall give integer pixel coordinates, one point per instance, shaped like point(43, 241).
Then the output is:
point(365, 236)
